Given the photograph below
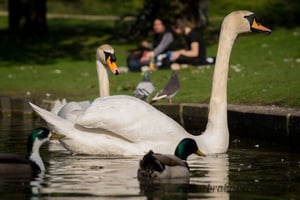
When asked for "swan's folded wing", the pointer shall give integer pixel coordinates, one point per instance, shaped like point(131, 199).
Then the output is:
point(130, 118)
point(58, 105)
point(62, 126)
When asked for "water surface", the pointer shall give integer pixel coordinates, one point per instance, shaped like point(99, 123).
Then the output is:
point(249, 170)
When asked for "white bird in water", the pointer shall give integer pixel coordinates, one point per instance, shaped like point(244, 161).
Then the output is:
point(105, 62)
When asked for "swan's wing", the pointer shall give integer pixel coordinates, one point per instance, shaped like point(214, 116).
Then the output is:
point(55, 123)
point(58, 105)
point(130, 118)
point(70, 111)
point(68, 128)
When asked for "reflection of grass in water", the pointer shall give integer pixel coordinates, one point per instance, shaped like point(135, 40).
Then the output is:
point(264, 69)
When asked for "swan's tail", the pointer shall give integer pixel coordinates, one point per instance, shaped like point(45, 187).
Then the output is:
point(54, 122)
point(58, 105)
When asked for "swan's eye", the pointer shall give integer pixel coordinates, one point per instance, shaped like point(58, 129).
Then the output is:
point(250, 18)
point(255, 26)
point(253, 18)
point(112, 56)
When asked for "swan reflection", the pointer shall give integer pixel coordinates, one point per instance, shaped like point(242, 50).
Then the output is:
point(210, 176)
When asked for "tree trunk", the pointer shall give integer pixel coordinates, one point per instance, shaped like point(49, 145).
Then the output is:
point(14, 10)
point(27, 16)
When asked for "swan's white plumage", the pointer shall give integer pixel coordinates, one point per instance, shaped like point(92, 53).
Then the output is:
point(129, 132)
point(58, 105)
point(139, 121)
point(126, 125)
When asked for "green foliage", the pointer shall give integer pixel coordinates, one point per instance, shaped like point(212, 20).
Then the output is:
point(282, 13)
point(263, 69)
point(274, 12)
point(98, 7)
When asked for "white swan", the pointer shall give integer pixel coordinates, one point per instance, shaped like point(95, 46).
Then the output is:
point(128, 126)
point(105, 60)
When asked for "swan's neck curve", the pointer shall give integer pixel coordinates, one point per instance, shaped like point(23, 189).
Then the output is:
point(217, 117)
point(103, 80)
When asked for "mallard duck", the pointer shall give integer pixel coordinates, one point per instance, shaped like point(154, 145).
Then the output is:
point(170, 89)
point(144, 88)
point(105, 61)
point(156, 166)
point(125, 125)
point(11, 164)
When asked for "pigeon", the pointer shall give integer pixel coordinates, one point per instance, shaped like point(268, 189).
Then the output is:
point(169, 90)
point(144, 88)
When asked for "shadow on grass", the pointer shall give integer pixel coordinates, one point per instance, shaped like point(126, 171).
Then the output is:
point(65, 39)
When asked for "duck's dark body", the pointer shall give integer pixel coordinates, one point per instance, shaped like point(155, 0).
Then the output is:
point(156, 166)
point(15, 165)
point(18, 166)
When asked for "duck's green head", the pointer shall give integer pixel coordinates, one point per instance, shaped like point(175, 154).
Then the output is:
point(37, 137)
point(186, 147)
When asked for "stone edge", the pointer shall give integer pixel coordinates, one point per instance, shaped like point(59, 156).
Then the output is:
point(270, 123)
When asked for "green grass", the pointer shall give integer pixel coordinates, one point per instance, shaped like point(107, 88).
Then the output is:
point(264, 69)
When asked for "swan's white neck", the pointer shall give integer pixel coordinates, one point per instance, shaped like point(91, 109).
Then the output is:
point(103, 79)
point(217, 117)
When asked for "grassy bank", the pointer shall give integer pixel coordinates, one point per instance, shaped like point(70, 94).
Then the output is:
point(264, 69)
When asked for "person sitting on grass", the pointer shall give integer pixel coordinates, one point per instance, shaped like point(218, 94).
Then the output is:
point(194, 52)
point(163, 41)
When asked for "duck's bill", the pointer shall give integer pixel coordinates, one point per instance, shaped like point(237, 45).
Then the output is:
point(259, 28)
point(56, 136)
point(199, 153)
point(112, 66)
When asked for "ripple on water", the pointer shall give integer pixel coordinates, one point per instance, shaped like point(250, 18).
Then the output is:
point(244, 172)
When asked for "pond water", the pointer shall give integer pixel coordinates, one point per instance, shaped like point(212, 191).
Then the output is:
point(249, 170)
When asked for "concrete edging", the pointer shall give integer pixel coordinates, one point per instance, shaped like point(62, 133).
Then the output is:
point(270, 123)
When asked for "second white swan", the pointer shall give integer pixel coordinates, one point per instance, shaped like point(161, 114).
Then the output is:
point(105, 62)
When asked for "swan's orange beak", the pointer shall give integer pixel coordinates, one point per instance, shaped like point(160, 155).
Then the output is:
point(258, 27)
point(112, 66)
